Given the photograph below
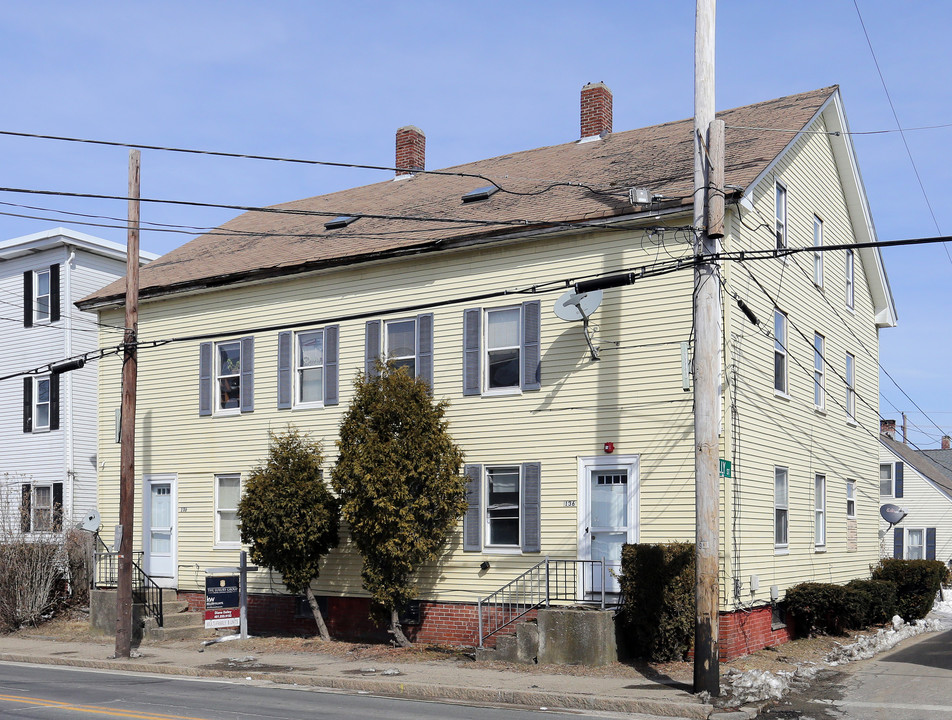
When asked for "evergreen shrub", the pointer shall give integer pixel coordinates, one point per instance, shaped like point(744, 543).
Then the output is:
point(820, 608)
point(916, 581)
point(881, 599)
point(657, 582)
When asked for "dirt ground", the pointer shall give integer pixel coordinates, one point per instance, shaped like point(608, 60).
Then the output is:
point(74, 626)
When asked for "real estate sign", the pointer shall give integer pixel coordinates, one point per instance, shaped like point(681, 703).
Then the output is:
point(221, 601)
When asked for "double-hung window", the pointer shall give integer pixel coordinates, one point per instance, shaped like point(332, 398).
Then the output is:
point(818, 254)
point(501, 349)
point(819, 505)
point(780, 352)
point(227, 495)
point(406, 342)
point(40, 403)
point(781, 508)
point(503, 508)
point(781, 214)
point(41, 507)
point(226, 377)
point(819, 372)
point(915, 544)
point(41, 295)
point(850, 387)
point(308, 368)
point(850, 499)
point(886, 480)
point(850, 279)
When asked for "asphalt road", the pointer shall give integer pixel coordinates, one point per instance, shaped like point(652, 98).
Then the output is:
point(913, 682)
point(35, 692)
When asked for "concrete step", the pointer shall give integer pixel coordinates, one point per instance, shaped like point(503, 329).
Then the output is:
point(182, 620)
point(173, 607)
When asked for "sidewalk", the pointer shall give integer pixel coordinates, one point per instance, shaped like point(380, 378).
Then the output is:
point(460, 680)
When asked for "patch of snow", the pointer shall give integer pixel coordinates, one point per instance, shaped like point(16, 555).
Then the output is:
point(757, 685)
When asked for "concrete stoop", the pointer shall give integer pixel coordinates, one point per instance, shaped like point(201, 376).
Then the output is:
point(178, 622)
point(559, 637)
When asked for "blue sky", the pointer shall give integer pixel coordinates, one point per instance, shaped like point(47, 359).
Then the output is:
point(333, 81)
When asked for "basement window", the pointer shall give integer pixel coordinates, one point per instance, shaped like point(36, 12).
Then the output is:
point(339, 222)
point(481, 193)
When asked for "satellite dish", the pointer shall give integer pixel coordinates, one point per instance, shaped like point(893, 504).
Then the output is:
point(893, 514)
point(91, 521)
point(574, 306)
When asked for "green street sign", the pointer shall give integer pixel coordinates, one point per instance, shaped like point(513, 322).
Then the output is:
point(725, 468)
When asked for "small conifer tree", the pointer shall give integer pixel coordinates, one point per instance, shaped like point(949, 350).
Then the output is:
point(288, 516)
point(398, 480)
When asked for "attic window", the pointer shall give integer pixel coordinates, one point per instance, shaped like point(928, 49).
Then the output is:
point(339, 222)
point(480, 194)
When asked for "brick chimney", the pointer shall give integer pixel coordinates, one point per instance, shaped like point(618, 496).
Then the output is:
point(946, 442)
point(411, 150)
point(596, 110)
point(888, 428)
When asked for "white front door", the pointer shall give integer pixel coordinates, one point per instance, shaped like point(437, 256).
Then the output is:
point(609, 517)
point(158, 526)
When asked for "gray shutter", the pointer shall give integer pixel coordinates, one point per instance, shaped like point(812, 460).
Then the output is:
point(473, 519)
point(897, 543)
point(54, 293)
point(531, 507)
point(28, 298)
point(27, 404)
point(205, 379)
point(332, 365)
point(371, 347)
point(899, 474)
point(247, 374)
point(471, 350)
point(284, 370)
point(930, 543)
point(424, 359)
point(531, 341)
point(54, 401)
point(57, 507)
point(26, 511)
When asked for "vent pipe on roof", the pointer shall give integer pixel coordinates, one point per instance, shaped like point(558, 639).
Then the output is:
point(411, 150)
point(596, 112)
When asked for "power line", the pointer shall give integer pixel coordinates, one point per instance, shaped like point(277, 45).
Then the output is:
point(837, 133)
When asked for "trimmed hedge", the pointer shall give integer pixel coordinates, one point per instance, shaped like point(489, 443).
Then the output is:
point(880, 604)
point(658, 616)
point(819, 608)
point(916, 581)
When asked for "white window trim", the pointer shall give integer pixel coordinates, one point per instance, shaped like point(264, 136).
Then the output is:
point(218, 541)
point(34, 507)
point(416, 336)
point(785, 393)
point(784, 547)
point(782, 225)
point(819, 512)
point(905, 541)
point(501, 549)
point(35, 401)
point(216, 380)
point(892, 480)
point(850, 376)
point(850, 280)
point(36, 297)
point(850, 498)
point(818, 256)
point(296, 374)
point(819, 372)
point(513, 390)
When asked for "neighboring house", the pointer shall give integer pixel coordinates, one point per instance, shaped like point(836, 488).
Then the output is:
point(567, 457)
point(923, 488)
point(943, 455)
point(48, 420)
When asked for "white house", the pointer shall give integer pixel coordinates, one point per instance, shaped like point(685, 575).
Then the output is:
point(48, 420)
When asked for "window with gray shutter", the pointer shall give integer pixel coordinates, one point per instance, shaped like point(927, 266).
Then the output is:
point(424, 364)
point(897, 542)
point(899, 479)
point(531, 507)
point(331, 365)
point(284, 370)
point(531, 345)
point(473, 519)
point(930, 543)
point(205, 379)
point(471, 350)
point(371, 347)
point(247, 391)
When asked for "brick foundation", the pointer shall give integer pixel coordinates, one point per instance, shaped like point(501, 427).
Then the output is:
point(348, 618)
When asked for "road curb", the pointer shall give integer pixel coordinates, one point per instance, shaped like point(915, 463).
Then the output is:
point(401, 689)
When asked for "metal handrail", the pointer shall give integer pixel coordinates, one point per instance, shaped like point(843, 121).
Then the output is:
point(538, 586)
point(144, 589)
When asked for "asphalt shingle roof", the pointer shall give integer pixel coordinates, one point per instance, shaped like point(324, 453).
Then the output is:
point(923, 464)
point(660, 157)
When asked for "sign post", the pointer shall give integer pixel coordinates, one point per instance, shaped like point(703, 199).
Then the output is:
point(226, 596)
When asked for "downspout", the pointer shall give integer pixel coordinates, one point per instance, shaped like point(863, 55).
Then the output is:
point(68, 313)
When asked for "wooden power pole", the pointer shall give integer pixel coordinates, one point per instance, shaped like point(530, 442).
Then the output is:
point(707, 337)
point(127, 427)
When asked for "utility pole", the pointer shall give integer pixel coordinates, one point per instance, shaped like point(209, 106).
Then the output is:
point(127, 428)
point(707, 336)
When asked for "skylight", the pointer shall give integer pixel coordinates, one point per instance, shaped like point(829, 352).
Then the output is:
point(339, 222)
point(480, 193)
